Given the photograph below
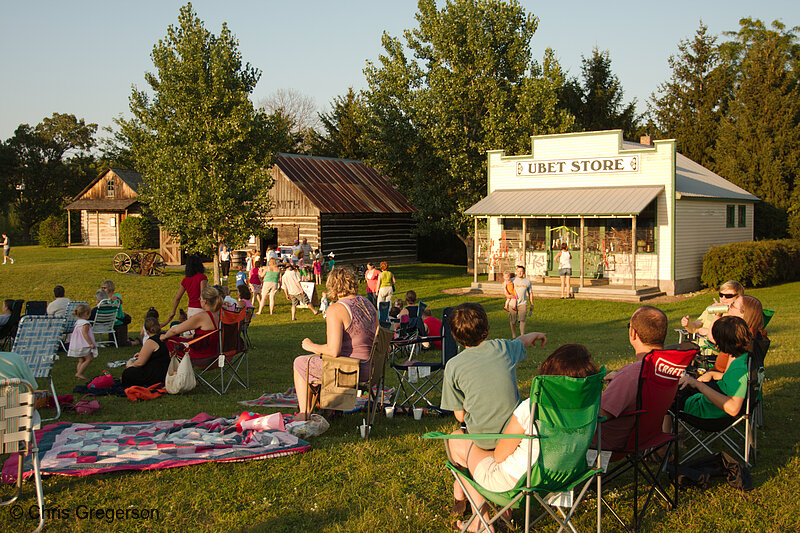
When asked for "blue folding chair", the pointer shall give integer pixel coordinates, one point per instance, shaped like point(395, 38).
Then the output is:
point(36, 342)
point(69, 323)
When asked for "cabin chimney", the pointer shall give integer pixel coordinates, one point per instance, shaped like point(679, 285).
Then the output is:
point(645, 140)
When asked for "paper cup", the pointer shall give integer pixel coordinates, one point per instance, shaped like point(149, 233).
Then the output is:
point(363, 429)
point(418, 413)
point(389, 412)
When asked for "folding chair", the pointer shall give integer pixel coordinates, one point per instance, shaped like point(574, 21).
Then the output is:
point(564, 413)
point(248, 317)
point(103, 324)
point(9, 330)
point(36, 342)
point(383, 315)
point(659, 377)
point(36, 307)
point(737, 433)
point(341, 382)
point(17, 434)
point(418, 380)
point(69, 324)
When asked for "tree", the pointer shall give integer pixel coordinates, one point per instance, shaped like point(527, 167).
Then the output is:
point(343, 129)
point(472, 87)
point(201, 147)
point(299, 111)
point(758, 147)
point(51, 163)
point(596, 102)
point(690, 106)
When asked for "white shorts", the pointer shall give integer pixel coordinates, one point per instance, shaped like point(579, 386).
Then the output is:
point(490, 475)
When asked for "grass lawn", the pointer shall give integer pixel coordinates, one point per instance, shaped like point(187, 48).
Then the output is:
point(395, 481)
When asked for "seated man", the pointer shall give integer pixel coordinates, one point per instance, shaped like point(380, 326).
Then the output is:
point(6, 316)
point(480, 383)
point(646, 332)
point(58, 307)
point(100, 295)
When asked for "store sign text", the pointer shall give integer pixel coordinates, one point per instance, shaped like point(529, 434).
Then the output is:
point(629, 163)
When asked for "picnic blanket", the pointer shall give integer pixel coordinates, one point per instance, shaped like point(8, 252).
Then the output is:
point(289, 399)
point(83, 449)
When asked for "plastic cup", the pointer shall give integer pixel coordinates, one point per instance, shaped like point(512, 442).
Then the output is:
point(418, 413)
point(390, 412)
point(363, 428)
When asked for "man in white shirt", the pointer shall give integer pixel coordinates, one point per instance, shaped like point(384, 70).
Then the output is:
point(58, 307)
point(294, 291)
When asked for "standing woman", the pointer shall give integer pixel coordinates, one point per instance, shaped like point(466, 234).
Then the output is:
point(565, 270)
point(271, 276)
point(224, 260)
point(193, 282)
point(7, 250)
point(255, 280)
point(386, 284)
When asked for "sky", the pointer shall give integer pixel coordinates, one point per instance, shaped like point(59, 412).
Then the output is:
point(82, 57)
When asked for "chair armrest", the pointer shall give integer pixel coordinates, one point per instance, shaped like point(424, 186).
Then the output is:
point(478, 436)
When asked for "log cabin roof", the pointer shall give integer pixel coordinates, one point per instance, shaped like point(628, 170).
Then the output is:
point(110, 204)
point(131, 178)
point(342, 185)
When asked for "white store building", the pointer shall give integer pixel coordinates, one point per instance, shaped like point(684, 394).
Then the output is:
point(637, 218)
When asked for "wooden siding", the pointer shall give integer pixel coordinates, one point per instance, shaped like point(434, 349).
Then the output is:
point(362, 238)
point(96, 229)
point(299, 228)
point(287, 198)
point(98, 190)
point(702, 224)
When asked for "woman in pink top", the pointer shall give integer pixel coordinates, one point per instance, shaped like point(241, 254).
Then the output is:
point(193, 283)
point(351, 325)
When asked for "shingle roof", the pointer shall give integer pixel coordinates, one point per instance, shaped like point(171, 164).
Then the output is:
point(342, 185)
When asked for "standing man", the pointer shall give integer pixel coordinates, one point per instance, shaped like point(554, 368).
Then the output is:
point(294, 291)
point(372, 276)
point(522, 286)
point(308, 253)
point(7, 250)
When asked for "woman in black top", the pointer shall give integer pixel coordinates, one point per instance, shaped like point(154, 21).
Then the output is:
point(150, 365)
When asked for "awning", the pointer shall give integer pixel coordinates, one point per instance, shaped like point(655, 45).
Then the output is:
point(577, 201)
point(90, 204)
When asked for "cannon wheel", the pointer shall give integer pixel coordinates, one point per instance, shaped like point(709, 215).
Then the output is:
point(122, 263)
point(136, 262)
point(154, 262)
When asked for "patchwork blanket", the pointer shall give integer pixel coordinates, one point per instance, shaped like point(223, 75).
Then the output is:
point(288, 399)
point(83, 449)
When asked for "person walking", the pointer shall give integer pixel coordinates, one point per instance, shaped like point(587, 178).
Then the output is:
point(386, 283)
point(7, 250)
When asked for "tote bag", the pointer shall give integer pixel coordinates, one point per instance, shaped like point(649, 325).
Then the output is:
point(180, 376)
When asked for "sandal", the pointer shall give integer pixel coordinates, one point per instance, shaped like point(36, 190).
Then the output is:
point(459, 507)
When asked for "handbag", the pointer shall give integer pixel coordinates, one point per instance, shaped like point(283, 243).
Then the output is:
point(180, 376)
point(86, 407)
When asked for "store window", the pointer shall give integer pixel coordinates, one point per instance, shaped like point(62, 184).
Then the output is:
point(742, 216)
point(730, 219)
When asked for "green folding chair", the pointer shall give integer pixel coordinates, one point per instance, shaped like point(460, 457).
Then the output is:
point(565, 414)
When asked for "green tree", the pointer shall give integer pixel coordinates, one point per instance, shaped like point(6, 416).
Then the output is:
point(201, 147)
point(690, 106)
point(471, 87)
point(343, 129)
point(758, 147)
point(51, 162)
point(596, 100)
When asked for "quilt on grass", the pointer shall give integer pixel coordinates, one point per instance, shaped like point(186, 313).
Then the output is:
point(83, 449)
point(288, 399)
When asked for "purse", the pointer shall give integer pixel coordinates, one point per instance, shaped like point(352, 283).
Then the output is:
point(86, 407)
point(180, 376)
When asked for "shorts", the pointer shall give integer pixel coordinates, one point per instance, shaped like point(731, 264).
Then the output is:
point(255, 289)
point(299, 299)
point(518, 314)
point(490, 475)
point(564, 271)
point(269, 288)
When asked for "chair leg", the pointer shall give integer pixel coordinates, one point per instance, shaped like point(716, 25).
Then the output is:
point(55, 399)
point(37, 478)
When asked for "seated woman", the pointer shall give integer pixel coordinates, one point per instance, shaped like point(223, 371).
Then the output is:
point(123, 319)
point(411, 301)
point(204, 351)
point(728, 293)
point(500, 469)
point(150, 365)
point(351, 324)
point(749, 309)
point(715, 394)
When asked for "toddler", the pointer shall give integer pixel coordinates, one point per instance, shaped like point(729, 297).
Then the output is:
point(244, 296)
point(81, 344)
point(509, 291)
point(323, 304)
point(241, 276)
point(317, 270)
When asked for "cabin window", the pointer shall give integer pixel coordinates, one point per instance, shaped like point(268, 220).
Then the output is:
point(742, 216)
point(110, 187)
point(730, 219)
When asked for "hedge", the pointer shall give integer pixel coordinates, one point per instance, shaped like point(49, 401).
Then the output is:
point(52, 231)
point(754, 264)
point(135, 233)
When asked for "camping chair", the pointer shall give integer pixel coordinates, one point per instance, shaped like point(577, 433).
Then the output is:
point(9, 330)
point(564, 414)
point(36, 307)
point(103, 324)
point(36, 342)
point(419, 379)
point(69, 324)
point(737, 433)
point(383, 315)
point(341, 383)
point(248, 317)
point(17, 434)
point(659, 377)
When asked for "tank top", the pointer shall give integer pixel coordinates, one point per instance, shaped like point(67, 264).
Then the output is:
point(271, 277)
point(564, 259)
point(208, 347)
point(386, 278)
point(358, 336)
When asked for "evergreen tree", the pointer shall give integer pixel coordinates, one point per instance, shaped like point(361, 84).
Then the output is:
point(690, 106)
point(343, 129)
point(201, 147)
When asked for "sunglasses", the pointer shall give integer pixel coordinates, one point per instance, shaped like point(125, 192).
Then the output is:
point(723, 295)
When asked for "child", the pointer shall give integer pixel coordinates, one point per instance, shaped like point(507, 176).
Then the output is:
point(81, 344)
point(228, 301)
point(510, 293)
point(317, 270)
point(323, 304)
point(331, 262)
point(241, 276)
point(151, 313)
point(244, 296)
point(182, 316)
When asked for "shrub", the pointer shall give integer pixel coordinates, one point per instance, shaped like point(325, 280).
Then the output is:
point(754, 264)
point(52, 231)
point(135, 233)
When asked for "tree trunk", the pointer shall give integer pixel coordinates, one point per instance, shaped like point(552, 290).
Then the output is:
point(469, 243)
point(216, 266)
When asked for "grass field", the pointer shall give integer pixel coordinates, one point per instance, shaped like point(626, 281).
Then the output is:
point(395, 481)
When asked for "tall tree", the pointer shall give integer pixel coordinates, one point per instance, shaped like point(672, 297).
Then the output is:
point(51, 163)
point(758, 146)
point(596, 99)
point(471, 87)
point(343, 129)
point(690, 106)
point(200, 145)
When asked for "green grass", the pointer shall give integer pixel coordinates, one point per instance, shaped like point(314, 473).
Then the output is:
point(395, 481)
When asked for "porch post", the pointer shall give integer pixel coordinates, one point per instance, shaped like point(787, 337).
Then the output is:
point(582, 231)
point(633, 254)
point(97, 217)
point(475, 253)
point(525, 243)
point(69, 229)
